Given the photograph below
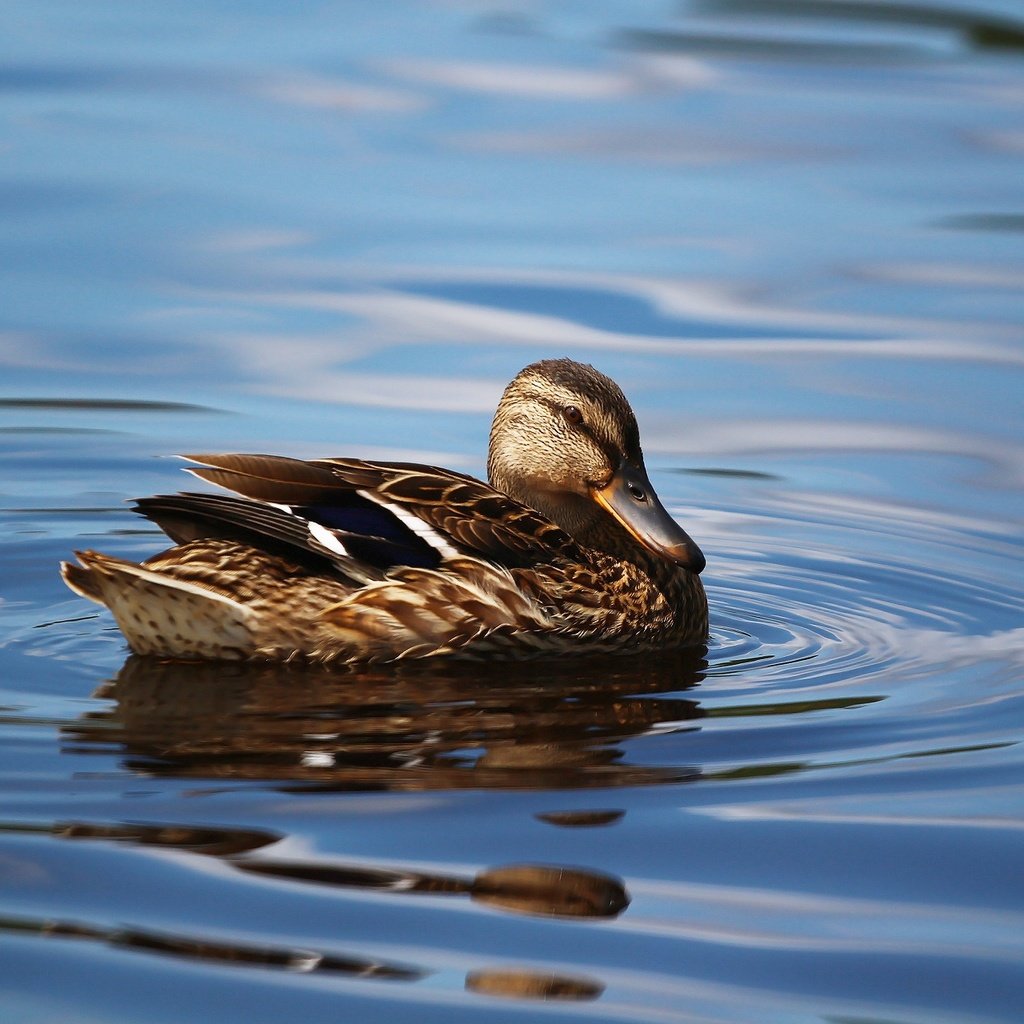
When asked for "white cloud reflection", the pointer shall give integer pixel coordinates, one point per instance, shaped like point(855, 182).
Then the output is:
point(339, 95)
point(835, 814)
point(523, 80)
point(780, 919)
point(393, 316)
point(944, 275)
point(635, 74)
point(651, 145)
point(394, 391)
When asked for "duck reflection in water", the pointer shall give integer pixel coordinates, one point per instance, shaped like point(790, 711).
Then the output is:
point(540, 890)
point(547, 725)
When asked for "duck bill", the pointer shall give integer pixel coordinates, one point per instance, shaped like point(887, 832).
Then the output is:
point(631, 500)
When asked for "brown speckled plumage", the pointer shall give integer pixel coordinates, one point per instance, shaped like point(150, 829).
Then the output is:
point(567, 550)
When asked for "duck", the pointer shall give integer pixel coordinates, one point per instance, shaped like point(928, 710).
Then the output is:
point(565, 550)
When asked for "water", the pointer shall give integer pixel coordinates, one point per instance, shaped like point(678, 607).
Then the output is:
point(792, 232)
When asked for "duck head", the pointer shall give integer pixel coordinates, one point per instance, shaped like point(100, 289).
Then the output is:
point(565, 442)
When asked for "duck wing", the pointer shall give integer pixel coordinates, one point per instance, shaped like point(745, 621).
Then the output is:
point(361, 517)
point(471, 515)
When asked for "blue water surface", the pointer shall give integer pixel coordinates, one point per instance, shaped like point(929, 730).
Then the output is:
point(792, 231)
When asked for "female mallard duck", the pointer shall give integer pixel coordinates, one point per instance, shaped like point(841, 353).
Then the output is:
point(567, 550)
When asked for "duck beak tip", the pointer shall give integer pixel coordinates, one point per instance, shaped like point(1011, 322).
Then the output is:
point(631, 500)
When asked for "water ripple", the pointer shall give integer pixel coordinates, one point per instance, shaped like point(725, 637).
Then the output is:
point(837, 592)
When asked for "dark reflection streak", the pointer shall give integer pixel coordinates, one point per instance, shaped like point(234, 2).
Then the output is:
point(343, 877)
point(756, 48)
point(581, 819)
point(214, 842)
point(32, 720)
point(537, 889)
point(977, 28)
point(61, 430)
point(983, 222)
point(738, 663)
point(457, 776)
point(84, 77)
point(761, 771)
point(83, 510)
point(61, 622)
point(757, 771)
point(945, 751)
point(43, 78)
point(790, 707)
point(521, 984)
point(228, 953)
point(105, 405)
point(725, 473)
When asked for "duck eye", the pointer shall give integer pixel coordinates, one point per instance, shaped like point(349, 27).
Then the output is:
point(573, 415)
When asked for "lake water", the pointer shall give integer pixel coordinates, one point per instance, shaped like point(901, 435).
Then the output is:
point(792, 230)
